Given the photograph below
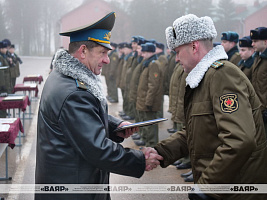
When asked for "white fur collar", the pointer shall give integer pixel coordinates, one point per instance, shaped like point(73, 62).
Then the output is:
point(196, 75)
point(70, 66)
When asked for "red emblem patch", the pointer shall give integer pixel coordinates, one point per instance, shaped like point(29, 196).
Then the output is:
point(229, 103)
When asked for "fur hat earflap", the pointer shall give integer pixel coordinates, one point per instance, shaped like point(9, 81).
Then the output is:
point(190, 28)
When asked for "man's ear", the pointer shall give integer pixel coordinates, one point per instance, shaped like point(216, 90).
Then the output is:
point(195, 46)
point(82, 51)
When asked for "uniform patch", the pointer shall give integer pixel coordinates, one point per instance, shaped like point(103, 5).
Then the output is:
point(81, 85)
point(156, 75)
point(229, 103)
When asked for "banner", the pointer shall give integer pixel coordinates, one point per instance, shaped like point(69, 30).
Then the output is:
point(134, 188)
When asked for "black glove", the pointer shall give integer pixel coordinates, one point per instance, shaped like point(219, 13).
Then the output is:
point(149, 108)
point(199, 196)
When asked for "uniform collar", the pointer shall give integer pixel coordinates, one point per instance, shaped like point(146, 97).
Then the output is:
point(70, 66)
point(249, 62)
point(112, 51)
point(149, 60)
point(264, 54)
point(231, 52)
point(196, 75)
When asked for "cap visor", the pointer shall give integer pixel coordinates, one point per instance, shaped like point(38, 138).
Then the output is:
point(108, 46)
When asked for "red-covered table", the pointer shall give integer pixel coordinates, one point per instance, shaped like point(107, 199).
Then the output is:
point(12, 102)
point(9, 136)
point(26, 87)
point(33, 78)
point(9, 129)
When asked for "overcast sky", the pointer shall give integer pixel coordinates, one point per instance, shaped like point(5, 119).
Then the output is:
point(249, 2)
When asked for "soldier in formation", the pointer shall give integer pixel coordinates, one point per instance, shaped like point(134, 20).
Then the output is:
point(229, 42)
point(259, 68)
point(246, 54)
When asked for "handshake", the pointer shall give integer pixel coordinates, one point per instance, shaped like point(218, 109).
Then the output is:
point(152, 157)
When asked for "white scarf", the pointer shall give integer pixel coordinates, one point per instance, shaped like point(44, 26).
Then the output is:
point(196, 75)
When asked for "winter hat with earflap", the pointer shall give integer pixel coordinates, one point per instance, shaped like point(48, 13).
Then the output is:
point(190, 28)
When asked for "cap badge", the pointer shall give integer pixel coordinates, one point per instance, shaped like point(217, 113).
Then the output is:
point(107, 36)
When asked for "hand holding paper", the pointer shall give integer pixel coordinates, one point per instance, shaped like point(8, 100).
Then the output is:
point(126, 132)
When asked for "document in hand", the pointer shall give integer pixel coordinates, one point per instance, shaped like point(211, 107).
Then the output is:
point(141, 124)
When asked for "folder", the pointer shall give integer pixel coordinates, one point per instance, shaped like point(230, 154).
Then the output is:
point(141, 124)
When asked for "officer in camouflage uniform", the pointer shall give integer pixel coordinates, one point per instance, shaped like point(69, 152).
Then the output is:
point(12, 65)
point(259, 68)
point(229, 42)
point(16, 61)
point(149, 93)
point(246, 53)
point(5, 61)
point(5, 76)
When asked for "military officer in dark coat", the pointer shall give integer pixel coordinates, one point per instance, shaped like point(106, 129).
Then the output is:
point(259, 68)
point(76, 142)
point(229, 42)
point(246, 53)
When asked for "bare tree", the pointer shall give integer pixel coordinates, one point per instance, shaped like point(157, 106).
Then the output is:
point(3, 32)
point(151, 17)
point(31, 23)
point(225, 16)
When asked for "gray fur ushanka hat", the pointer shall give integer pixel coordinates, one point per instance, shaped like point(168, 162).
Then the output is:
point(190, 28)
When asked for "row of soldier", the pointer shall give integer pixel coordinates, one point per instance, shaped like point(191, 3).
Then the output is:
point(138, 69)
point(251, 58)
point(144, 74)
point(9, 69)
point(143, 84)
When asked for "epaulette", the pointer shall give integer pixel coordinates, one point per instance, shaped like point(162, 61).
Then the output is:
point(81, 85)
point(216, 64)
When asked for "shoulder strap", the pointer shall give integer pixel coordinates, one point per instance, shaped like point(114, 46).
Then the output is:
point(216, 64)
point(81, 85)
